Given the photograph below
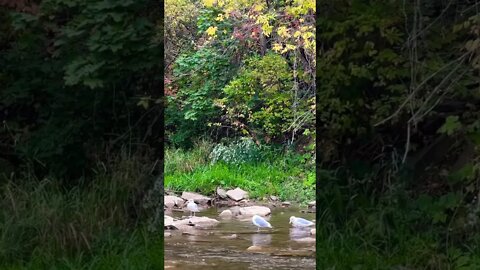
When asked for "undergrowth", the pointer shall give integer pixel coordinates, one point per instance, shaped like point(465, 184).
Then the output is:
point(393, 230)
point(98, 224)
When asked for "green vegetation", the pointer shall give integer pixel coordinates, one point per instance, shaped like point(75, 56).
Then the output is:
point(98, 225)
point(262, 172)
point(80, 134)
point(398, 135)
point(240, 75)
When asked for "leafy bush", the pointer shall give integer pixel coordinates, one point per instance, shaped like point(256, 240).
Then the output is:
point(240, 151)
point(259, 99)
point(198, 77)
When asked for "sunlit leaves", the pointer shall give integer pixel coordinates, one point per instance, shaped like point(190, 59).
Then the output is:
point(208, 3)
point(211, 30)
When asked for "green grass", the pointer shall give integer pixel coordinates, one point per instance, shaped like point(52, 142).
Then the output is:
point(138, 249)
point(97, 224)
point(285, 176)
point(356, 249)
point(391, 230)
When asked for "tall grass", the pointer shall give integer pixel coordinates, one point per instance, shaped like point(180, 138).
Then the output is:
point(42, 221)
point(388, 231)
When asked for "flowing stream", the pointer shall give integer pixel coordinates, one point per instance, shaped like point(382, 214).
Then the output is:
point(282, 247)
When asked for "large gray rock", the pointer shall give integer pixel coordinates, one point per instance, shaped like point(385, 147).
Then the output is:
point(198, 198)
point(196, 222)
point(237, 194)
point(171, 201)
point(254, 210)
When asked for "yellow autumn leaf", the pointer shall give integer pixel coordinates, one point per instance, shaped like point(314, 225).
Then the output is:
point(283, 32)
point(267, 29)
point(219, 18)
point(290, 47)
point(277, 47)
point(258, 7)
point(220, 3)
point(208, 3)
point(297, 34)
point(211, 30)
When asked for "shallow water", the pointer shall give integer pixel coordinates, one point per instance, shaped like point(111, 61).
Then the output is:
point(210, 251)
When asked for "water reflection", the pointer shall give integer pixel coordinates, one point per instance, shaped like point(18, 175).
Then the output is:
point(296, 233)
point(259, 239)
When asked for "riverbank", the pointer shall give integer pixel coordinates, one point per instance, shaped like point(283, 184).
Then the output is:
point(284, 174)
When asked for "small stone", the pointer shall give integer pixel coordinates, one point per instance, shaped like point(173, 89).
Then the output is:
point(167, 221)
point(312, 204)
point(258, 249)
point(237, 194)
point(171, 201)
point(167, 234)
point(233, 236)
point(222, 193)
point(313, 232)
point(226, 214)
point(254, 210)
point(306, 240)
point(286, 203)
point(273, 198)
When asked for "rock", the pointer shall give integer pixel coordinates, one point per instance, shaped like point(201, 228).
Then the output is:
point(233, 236)
point(312, 204)
point(273, 198)
point(313, 231)
point(167, 234)
point(305, 240)
point(226, 214)
point(168, 221)
point(198, 198)
point(197, 222)
point(254, 210)
point(286, 203)
point(222, 193)
point(237, 194)
point(171, 201)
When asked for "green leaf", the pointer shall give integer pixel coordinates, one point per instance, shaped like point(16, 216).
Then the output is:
point(451, 125)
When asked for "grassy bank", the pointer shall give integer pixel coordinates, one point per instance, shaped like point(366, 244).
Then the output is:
point(397, 229)
point(263, 172)
point(99, 223)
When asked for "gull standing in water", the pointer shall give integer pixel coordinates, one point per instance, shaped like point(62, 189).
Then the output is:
point(192, 206)
point(300, 222)
point(260, 222)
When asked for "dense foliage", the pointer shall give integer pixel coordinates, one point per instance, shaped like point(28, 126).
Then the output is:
point(73, 75)
point(81, 133)
point(244, 69)
point(398, 111)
